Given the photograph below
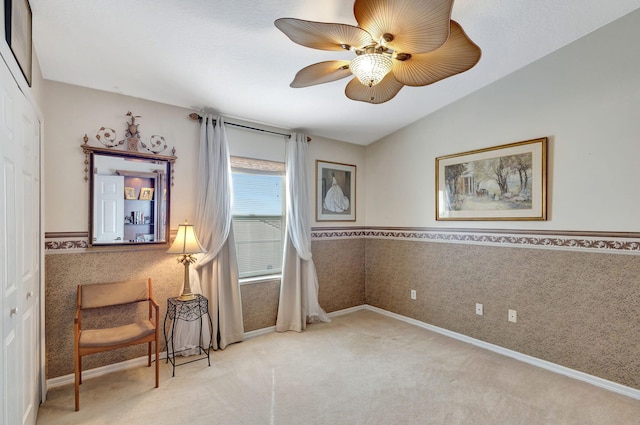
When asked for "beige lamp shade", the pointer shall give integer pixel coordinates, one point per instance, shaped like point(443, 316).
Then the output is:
point(185, 245)
point(186, 241)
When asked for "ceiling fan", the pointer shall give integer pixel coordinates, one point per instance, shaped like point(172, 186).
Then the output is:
point(397, 43)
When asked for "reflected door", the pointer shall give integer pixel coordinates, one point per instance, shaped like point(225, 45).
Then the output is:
point(108, 209)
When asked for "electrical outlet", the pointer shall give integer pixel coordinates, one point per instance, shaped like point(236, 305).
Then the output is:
point(479, 309)
point(513, 316)
point(413, 294)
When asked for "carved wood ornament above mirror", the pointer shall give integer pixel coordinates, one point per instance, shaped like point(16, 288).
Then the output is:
point(129, 190)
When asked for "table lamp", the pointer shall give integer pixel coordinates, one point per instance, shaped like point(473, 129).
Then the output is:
point(186, 244)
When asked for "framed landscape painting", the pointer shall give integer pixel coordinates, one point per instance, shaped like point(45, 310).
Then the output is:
point(335, 191)
point(507, 182)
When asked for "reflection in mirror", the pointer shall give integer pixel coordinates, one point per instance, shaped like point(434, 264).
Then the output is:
point(129, 197)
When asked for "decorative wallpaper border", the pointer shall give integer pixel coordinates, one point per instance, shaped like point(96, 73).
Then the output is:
point(65, 242)
point(64, 245)
point(611, 242)
point(75, 242)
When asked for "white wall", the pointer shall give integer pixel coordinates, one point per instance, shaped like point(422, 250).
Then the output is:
point(71, 111)
point(584, 97)
point(344, 153)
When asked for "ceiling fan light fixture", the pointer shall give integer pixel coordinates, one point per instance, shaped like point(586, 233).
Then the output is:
point(397, 42)
point(371, 68)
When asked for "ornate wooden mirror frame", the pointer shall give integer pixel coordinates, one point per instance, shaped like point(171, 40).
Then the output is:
point(129, 194)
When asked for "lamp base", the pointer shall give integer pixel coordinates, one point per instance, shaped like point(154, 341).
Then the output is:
point(187, 297)
point(186, 289)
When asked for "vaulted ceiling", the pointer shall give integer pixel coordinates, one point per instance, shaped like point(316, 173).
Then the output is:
point(228, 57)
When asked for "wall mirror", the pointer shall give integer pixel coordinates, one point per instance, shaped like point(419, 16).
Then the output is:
point(129, 197)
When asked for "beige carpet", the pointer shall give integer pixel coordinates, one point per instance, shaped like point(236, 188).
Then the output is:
point(362, 368)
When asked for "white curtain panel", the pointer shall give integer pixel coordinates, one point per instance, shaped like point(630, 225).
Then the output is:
point(215, 274)
point(299, 288)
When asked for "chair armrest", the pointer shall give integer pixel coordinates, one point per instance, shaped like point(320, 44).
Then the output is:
point(154, 303)
point(156, 307)
point(77, 324)
point(77, 318)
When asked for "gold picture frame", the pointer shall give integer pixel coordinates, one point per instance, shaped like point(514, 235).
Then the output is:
point(146, 194)
point(506, 182)
point(130, 193)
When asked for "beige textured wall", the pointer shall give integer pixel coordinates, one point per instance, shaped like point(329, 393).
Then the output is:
point(580, 310)
point(260, 304)
point(340, 266)
point(576, 309)
point(63, 272)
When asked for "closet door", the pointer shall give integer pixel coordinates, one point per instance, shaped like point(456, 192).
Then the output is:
point(20, 251)
point(29, 240)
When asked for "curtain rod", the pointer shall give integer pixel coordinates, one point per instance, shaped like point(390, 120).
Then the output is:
point(197, 117)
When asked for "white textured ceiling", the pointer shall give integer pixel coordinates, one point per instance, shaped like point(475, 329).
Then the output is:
point(227, 56)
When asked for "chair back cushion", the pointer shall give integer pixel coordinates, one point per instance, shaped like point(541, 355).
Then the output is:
point(114, 293)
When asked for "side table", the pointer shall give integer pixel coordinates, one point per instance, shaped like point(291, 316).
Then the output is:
point(187, 311)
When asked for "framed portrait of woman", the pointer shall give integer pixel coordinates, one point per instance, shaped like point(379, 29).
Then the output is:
point(335, 191)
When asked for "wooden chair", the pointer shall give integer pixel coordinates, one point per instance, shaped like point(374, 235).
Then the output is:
point(138, 331)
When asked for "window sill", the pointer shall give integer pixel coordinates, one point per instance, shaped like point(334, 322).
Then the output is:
point(260, 279)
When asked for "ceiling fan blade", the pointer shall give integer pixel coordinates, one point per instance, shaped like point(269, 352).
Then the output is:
point(383, 91)
point(457, 55)
point(417, 26)
point(321, 35)
point(319, 73)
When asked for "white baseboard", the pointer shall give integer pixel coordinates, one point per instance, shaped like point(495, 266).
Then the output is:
point(259, 332)
point(553, 367)
point(347, 310)
point(99, 371)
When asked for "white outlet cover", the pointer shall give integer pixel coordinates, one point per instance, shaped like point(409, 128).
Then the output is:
point(479, 309)
point(513, 316)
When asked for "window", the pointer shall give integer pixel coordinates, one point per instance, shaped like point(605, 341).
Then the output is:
point(258, 216)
